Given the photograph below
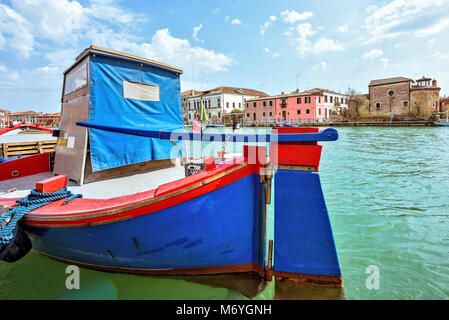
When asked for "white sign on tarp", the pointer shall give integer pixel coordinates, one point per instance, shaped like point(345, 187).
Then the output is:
point(140, 91)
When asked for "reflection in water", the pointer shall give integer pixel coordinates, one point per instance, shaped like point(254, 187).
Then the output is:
point(285, 290)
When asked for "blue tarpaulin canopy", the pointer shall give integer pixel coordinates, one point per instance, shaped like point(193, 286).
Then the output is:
point(132, 94)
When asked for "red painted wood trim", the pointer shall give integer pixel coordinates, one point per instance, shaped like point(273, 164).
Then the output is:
point(109, 215)
point(52, 184)
point(25, 166)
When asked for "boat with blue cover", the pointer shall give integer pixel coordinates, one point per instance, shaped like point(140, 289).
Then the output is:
point(115, 195)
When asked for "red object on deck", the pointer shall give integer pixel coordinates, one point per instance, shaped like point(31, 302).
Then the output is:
point(51, 184)
point(24, 125)
point(209, 162)
point(296, 153)
point(25, 166)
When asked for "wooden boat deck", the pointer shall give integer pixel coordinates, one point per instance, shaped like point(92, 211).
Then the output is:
point(104, 189)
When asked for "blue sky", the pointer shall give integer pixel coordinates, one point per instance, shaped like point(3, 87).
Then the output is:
point(264, 45)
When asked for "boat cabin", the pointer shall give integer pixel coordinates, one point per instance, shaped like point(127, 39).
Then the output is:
point(117, 89)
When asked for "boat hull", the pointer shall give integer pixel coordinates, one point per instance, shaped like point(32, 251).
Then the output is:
point(217, 232)
point(444, 124)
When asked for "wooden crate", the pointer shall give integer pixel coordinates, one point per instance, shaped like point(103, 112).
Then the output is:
point(15, 149)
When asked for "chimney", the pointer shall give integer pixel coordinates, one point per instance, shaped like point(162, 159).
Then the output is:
point(282, 92)
point(434, 83)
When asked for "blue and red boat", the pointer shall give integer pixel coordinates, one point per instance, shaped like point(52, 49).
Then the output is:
point(121, 144)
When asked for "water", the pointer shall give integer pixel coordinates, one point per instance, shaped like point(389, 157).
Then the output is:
point(387, 192)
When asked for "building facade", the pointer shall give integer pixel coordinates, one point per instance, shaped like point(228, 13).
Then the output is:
point(312, 105)
point(218, 102)
point(403, 96)
point(4, 118)
point(50, 119)
point(24, 116)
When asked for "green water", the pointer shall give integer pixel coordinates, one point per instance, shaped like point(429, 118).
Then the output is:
point(387, 192)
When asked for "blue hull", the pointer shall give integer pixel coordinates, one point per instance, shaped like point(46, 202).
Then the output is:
point(444, 124)
point(222, 228)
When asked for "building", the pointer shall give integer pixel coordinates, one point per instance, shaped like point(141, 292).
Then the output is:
point(4, 118)
point(403, 96)
point(444, 104)
point(312, 105)
point(50, 119)
point(218, 102)
point(24, 116)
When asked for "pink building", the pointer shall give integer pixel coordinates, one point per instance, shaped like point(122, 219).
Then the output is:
point(296, 106)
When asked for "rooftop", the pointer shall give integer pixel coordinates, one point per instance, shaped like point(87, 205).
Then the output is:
point(389, 81)
point(127, 56)
point(23, 113)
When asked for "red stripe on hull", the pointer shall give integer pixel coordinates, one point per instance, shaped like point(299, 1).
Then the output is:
point(164, 200)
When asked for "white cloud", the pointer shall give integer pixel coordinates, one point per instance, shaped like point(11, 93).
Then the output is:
point(3, 68)
point(235, 21)
point(324, 45)
point(62, 22)
point(267, 24)
point(400, 17)
point(398, 45)
point(195, 33)
point(373, 54)
point(293, 16)
point(275, 55)
point(344, 28)
point(215, 11)
point(322, 65)
point(299, 35)
point(267, 50)
point(385, 62)
point(179, 52)
point(433, 29)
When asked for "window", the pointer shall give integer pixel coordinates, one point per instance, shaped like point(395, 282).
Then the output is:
point(307, 100)
point(319, 111)
point(331, 99)
point(271, 113)
point(298, 100)
point(240, 105)
point(336, 100)
point(264, 103)
point(391, 93)
point(325, 98)
point(319, 99)
point(247, 105)
point(227, 105)
point(271, 103)
point(378, 106)
point(218, 103)
point(307, 111)
point(254, 104)
point(76, 79)
point(405, 103)
point(233, 105)
point(247, 115)
point(298, 111)
point(263, 114)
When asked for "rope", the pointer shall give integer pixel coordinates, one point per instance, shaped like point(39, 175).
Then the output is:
point(9, 221)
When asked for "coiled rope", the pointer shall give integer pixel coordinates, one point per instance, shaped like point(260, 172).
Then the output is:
point(9, 221)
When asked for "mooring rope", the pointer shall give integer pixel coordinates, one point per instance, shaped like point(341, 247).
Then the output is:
point(9, 221)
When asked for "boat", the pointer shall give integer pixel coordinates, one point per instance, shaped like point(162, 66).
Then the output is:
point(443, 123)
point(24, 127)
point(215, 125)
point(115, 194)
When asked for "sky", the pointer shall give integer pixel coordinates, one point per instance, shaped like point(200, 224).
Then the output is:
point(272, 46)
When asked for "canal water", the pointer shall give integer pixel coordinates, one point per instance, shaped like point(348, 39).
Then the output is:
point(387, 192)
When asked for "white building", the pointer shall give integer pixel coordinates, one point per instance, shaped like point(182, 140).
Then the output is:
point(333, 101)
point(218, 101)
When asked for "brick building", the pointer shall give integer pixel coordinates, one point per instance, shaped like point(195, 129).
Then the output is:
point(403, 96)
point(444, 104)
